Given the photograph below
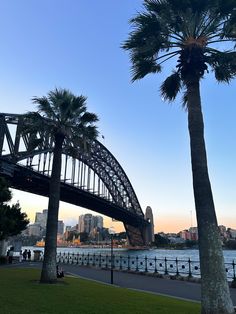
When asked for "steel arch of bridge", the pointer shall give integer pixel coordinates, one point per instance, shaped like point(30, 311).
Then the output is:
point(95, 180)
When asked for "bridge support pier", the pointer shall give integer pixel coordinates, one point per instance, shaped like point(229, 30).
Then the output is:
point(139, 236)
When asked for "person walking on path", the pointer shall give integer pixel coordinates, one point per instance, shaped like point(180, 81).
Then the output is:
point(10, 258)
point(25, 255)
point(29, 255)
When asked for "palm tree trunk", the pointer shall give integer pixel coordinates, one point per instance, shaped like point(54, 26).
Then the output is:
point(214, 286)
point(3, 247)
point(48, 274)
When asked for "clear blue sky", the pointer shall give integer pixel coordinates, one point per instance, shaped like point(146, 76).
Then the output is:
point(75, 44)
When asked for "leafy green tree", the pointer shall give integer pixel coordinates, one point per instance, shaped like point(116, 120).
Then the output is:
point(161, 241)
point(12, 220)
point(64, 117)
point(196, 34)
point(5, 193)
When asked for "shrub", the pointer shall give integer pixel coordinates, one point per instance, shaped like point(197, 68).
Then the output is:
point(3, 260)
point(233, 284)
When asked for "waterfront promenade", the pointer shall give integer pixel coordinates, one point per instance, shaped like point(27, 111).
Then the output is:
point(174, 288)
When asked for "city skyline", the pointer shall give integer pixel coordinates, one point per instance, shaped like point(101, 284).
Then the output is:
point(148, 137)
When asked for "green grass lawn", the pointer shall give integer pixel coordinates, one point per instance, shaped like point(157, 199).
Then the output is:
point(20, 292)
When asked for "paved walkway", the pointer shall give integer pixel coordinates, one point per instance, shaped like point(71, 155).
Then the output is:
point(175, 288)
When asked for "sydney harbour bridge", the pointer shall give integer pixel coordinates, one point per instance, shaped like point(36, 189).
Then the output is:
point(93, 180)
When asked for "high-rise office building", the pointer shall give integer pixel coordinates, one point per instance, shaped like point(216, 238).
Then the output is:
point(88, 222)
point(41, 218)
point(60, 227)
point(98, 222)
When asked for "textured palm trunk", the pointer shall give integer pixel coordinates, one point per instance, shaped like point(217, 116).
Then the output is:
point(48, 274)
point(3, 247)
point(215, 290)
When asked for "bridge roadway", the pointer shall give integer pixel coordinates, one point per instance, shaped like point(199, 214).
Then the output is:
point(27, 180)
point(174, 288)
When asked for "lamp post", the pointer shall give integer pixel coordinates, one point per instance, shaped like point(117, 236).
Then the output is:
point(111, 232)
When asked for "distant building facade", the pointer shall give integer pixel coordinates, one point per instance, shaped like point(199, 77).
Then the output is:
point(191, 234)
point(87, 223)
point(60, 227)
point(34, 230)
point(41, 223)
point(41, 218)
point(232, 233)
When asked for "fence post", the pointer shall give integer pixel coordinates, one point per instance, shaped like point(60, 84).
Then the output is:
point(128, 262)
point(137, 263)
point(77, 258)
point(155, 261)
point(146, 263)
point(106, 261)
point(93, 259)
point(82, 259)
point(88, 260)
point(189, 268)
point(177, 267)
point(121, 262)
point(100, 260)
point(166, 270)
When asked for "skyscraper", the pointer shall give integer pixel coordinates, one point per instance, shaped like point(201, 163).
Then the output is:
point(41, 218)
point(88, 222)
point(60, 227)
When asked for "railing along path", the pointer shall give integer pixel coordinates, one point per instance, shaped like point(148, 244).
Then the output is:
point(146, 264)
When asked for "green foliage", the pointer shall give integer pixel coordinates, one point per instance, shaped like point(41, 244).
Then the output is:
point(233, 284)
point(61, 113)
point(5, 193)
point(161, 241)
point(12, 220)
point(75, 295)
point(224, 65)
point(191, 31)
point(191, 243)
point(171, 86)
point(3, 260)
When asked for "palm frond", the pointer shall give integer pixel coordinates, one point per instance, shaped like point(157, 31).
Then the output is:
point(188, 28)
point(61, 112)
point(143, 67)
point(224, 65)
point(89, 117)
point(229, 28)
point(44, 106)
point(171, 87)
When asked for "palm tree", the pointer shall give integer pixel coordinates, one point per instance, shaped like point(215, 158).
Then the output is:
point(64, 117)
point(187, 31)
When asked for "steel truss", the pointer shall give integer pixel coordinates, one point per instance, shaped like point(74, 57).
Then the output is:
point(96, 177)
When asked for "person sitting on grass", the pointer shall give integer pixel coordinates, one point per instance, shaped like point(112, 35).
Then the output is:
point(60, 272)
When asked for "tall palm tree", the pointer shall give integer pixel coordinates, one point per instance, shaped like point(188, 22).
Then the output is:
point(193, 33)
point(64, 117)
